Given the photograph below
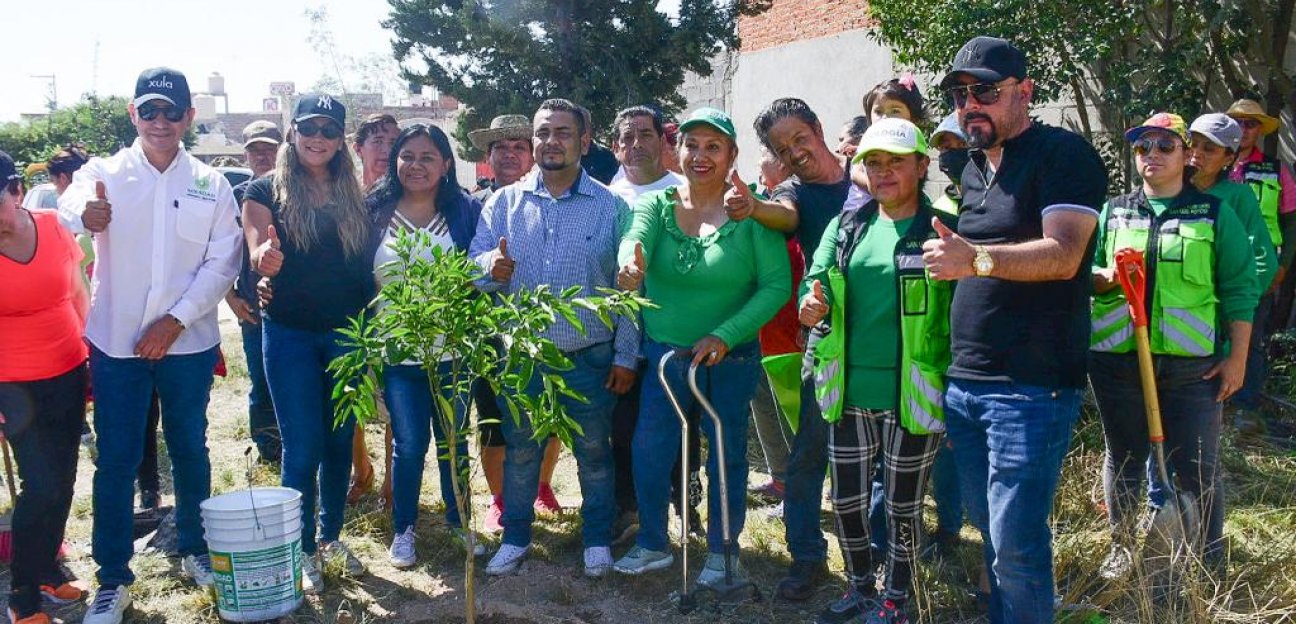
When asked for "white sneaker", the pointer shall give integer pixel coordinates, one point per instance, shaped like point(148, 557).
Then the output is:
point(401, 554)
point(465, 538)
point(507, 560)
point(640, 560)
point(312, 580)
point(198, 568)
point(108, 606)
point(598, 560)
point(332, 552)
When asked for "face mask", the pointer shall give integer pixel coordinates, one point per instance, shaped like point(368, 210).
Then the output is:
point(952, 163)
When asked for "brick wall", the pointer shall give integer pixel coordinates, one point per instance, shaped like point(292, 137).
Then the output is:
point(797, 20)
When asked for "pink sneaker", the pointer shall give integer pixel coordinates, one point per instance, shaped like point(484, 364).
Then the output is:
point(493, 515)
point(545, 501)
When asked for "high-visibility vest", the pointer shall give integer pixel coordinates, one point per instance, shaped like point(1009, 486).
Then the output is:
point(923, 310)
point(1265, 179)
point(1180, 275)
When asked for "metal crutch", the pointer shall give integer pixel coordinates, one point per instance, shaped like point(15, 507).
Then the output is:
point(683, 599)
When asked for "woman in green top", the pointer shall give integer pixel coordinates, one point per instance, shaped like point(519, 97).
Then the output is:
point(1201, 283)
point(890, 325)
point(715, 282)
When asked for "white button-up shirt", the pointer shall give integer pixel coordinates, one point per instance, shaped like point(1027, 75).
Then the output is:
point(172, 247)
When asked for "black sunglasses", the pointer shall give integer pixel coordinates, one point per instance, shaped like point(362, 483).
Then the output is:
point(329, 130)
point(149, 112)
point(1165, 145)
point(1249, 124)
point(984, 93)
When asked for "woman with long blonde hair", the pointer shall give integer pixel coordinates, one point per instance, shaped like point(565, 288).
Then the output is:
point(309, 234)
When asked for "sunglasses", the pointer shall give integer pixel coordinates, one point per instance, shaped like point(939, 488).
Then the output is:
point(1249, 124)
point(329, 130)
point(985, 94)
point(149, 112)
point(1165, 145)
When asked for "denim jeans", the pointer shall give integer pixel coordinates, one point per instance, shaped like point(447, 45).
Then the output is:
point(729, 386)
point(261, 415)
point(1009, 441)
point(1249, 396)
point(414, 420)
point(772, 429)
point(592, 449)
point(1191, 420)
point(123, 388)
point(316, 454)
point(877, 517)
point(804, 487)
point(946, 492)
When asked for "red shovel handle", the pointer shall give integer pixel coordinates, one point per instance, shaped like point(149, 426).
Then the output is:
point(1133, 280)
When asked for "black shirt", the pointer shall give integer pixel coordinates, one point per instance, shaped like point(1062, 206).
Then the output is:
point(315, 290)
point(245, 284)
point(1033, 333)
point(816, 204)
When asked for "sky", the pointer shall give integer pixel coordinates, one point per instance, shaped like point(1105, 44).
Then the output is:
point(250, 42)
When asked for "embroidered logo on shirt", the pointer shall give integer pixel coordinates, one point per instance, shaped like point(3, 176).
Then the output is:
point(201, 189)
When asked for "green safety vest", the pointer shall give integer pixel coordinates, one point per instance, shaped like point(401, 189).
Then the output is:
point(1265, 179)
point(924, 312)
point(1180, 275)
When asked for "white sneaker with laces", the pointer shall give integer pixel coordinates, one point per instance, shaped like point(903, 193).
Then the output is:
point(507, 559)
point(334, 551)
point(401, 554)
point(598, 560)
point(198, 568)
point(312, 579)
point(108, 606)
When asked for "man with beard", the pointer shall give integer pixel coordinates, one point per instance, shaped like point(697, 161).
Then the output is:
point(560, 228)
point(1019, 318)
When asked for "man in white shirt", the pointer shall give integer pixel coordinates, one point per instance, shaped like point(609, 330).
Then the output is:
point(640, 133)
point(167, 250)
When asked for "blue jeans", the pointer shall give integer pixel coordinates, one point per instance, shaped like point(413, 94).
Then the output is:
point(592, 449)
point(1248, 397)
point(414, 420)
point(804, 486)
point(945, 490)
point(123, 389)
point(1009, 441)
point(261, 414)
point(729, 386)
point(316, 455)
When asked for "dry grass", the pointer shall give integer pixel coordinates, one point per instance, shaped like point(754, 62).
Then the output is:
point(1258, 584)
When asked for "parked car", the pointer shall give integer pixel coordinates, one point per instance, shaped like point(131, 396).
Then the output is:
point(41, 196)
point(236, 175)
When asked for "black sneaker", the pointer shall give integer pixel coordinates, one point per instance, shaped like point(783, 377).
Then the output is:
point(149, 500)
point(850, 606)
point(802, 580)
point(939, 546)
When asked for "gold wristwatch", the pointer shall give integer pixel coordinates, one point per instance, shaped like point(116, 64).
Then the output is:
point(982, 264)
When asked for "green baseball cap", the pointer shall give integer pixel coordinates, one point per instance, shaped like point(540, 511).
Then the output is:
point(894, 135)
point(713, 117)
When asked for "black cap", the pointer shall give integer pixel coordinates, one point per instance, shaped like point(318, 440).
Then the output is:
point(988, 59)
point(163, 83)
point(8, 170)
point(313, 105)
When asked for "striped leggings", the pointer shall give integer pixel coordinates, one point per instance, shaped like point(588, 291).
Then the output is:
point(853, 446)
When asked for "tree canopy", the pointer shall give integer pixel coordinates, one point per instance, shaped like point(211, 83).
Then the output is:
point(100, 125)
point(508, 56)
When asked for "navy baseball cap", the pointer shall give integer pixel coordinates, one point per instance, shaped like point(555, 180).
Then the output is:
point(163, 83)
point(988, 59)
point(312, 105)
point(8, 170)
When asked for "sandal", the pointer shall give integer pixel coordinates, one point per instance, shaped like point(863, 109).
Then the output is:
point(360, 485)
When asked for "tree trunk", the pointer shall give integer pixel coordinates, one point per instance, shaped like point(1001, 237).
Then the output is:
point(1082, 109)
point(1280, 85)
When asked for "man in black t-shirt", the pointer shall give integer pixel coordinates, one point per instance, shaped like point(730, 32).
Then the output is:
point(1020, 316)
point(802, 205)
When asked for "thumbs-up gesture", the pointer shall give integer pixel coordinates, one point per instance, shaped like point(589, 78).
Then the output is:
point(739, 200)
point(631, 275)
point(98, 212)
point(814, 306)
point(948, 257)
point(502, 265)
point(269, 259)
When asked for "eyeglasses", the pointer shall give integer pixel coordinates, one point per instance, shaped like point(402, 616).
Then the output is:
point(985, 94)
point(329, 130)
point(1165, 145)
point(149, 112)
point(1249, 124)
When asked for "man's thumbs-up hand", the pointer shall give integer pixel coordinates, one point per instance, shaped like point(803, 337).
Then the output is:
point(269, 260)
point(948, 257)
point(501, 264)
point(739, 201)
point(814, 306)
point(98, 212)
point(631, 275)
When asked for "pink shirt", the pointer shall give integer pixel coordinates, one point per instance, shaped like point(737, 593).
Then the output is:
point(40, 331)
point(1287, 198)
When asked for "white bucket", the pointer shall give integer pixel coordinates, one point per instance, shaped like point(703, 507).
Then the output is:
point(254, 537)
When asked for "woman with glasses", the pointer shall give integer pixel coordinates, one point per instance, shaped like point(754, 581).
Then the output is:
point(715, 282)
point(308, 234)
point(420, 194)
point(1201, 297)
point(888, 338)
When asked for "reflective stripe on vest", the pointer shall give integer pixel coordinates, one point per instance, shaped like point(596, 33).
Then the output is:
point(830, 353)
point(1265, 179)
point(924, 404)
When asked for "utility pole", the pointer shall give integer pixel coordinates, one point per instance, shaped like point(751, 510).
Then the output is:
point(51, 102)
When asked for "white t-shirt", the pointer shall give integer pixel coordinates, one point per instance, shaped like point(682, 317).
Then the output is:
point(387, 250)
point(631, 192)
